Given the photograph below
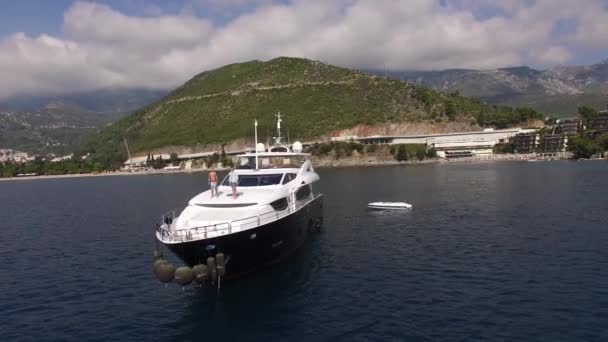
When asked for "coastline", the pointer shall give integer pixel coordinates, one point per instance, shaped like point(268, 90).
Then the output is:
point(102, 174)
point(321, 163)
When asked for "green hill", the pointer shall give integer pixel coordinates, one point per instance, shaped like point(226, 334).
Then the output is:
point(220, 105)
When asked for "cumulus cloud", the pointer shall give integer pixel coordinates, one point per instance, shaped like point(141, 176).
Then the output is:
point(101, 47)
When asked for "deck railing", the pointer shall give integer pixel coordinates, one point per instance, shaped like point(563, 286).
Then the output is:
point(167, 235)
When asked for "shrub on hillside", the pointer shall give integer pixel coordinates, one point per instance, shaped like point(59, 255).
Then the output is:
point(404, 152)
point(371, 148)
point(583, 147)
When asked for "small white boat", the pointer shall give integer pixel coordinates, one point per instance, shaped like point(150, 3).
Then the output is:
point(389, 205)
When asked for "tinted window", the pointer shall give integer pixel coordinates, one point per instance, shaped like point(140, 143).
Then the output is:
point(303, 192)
point(259, 180)
point(280, 204)
point(289, 177)
point(271, 162)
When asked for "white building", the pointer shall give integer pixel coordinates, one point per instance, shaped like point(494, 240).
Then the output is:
point(60, 159)
point(451, 144)
point(12, 156)
point(138, 162)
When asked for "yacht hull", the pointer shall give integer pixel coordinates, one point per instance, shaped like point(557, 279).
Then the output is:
point(255, 248)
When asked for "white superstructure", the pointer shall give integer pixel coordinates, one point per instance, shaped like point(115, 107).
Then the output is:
point(272, 183)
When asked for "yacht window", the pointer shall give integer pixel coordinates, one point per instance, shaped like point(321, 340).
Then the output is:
point(280, 204)
point(303, 192)
point(230, 205)
point(272, 162)
point(289, 177)
point(279, 149)
point(246, 163)
point(260, 180)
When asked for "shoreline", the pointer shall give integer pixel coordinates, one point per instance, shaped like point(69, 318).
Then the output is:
point(324, 163)
point(103, 174)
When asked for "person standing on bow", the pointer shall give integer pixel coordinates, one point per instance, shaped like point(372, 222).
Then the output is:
point(212, 179)
point(234, 181)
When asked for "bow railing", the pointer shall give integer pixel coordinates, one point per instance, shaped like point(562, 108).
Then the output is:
point(168, 235)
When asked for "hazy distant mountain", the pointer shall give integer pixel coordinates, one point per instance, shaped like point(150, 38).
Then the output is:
point(558, 91)
point(45, 124)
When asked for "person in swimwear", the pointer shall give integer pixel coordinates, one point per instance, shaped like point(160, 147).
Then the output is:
point(234, 181)
point(212, 178)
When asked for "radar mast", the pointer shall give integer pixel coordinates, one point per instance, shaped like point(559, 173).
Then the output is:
point(278, 138)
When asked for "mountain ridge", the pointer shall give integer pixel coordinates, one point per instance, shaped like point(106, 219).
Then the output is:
point(218, 106)
point(557, 91)
point(56, 123)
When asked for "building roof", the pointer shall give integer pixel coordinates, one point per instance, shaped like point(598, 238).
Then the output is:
point(508, 130)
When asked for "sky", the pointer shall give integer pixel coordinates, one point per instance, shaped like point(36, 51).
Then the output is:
point(65, 46)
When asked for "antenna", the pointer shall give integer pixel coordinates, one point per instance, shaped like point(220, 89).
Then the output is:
point(277, 139)
point(127, 147)
point(256, 144)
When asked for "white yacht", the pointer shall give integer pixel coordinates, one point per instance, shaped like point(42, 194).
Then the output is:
point(275, 209)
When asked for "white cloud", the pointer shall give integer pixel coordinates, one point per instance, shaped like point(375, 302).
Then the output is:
point(101, 47)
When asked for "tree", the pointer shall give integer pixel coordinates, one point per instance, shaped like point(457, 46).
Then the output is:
point(504, 148)
point(603, 142)
point(524, 114)
point(450, 110)
point(354, 146)
point(402, 153)
point(213, 159)
point(583, 147)
point(97, 167)
point(223, 153)
point(173, 159)
point(9, 170)
point(371, 148)
point(338, 151)
point(420, 153)
point(587, 114)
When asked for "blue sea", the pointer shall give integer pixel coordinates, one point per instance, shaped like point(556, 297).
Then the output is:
point(491, 251)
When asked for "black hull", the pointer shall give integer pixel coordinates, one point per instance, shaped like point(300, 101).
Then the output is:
point(254, 248)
